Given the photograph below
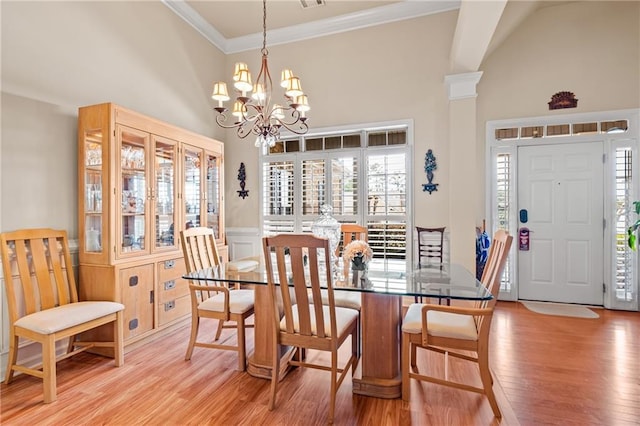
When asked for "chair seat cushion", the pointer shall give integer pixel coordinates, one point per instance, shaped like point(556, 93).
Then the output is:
point(242, 265)
point(344, 299)
point(344, 317)
point(62, 317)
point(240, 301)
point(441, 324)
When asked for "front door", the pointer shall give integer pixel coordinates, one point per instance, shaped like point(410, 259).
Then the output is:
point(560, 191)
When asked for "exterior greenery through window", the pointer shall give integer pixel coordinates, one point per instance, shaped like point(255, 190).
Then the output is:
point(363, 174)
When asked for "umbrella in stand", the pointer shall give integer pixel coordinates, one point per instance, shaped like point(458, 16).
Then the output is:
point(482, 249)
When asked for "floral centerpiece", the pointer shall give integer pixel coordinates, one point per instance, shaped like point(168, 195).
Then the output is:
point(358, 253)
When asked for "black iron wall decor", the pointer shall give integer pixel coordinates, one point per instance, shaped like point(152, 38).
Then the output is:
point(429, 166)
point(242, 175)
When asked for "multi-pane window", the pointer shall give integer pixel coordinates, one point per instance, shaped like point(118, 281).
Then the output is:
point(362, 174)
point(624, 271)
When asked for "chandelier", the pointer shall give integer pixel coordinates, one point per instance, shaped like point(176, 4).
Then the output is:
point(253, 111)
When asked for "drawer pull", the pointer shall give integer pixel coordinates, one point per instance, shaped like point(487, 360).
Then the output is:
point(169, 285)
point(133, 281)
point(169, 305)
point(133, 324)
point(169, 264)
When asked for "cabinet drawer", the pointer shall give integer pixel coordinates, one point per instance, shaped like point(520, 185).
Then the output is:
point(172, 289)
point(173, 309)
point(171, 269)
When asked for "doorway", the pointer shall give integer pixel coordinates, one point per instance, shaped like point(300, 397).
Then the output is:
point(561, 205)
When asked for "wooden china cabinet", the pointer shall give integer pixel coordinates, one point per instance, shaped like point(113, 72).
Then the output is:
point(140, 181)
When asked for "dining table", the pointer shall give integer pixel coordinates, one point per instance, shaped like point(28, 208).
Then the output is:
point(382, 289)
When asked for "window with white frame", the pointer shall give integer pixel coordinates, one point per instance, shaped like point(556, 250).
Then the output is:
point(362, 173)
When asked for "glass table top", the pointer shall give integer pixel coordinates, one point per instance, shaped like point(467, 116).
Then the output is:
point(451, 281)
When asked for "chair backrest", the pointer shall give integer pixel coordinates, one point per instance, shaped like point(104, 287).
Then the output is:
point(284, 257)
point(37, 271)
point(430, 244)
point(498, 253)
point(199, 248)
point(350, 232)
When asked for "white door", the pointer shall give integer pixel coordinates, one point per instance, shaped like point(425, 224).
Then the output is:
point(561, 189)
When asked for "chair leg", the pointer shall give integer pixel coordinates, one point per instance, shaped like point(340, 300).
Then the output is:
point(334, 387)
point(242, 354)
point(49, 368)
point(11, 358)
point(405, 355)
point(72, 340)
point(195, 323)
point(275, 369)
point(414, 364)
point(487, 381)
point(219, 330)
point(118, 337)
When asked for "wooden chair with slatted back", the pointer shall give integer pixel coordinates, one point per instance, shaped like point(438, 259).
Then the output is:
point(214, 299)
point(43, 304)
point(430, 245)
point(351, 232)
point(456, 330)
point(307, 323)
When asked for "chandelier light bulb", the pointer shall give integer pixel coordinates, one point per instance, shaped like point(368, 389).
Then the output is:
point(258, 92)
point(240, 66)
point(294, 88)
point(285, 76)
point(302, 103)
point(220, 93)
point(244, 82)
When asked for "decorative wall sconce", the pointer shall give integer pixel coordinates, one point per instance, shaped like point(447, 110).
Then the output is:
point(429, 166)
point(242, 175)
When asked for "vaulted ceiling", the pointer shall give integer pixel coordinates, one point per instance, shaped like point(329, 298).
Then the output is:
point(235, 26)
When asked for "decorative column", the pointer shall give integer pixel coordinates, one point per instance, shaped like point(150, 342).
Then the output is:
point(463, 154)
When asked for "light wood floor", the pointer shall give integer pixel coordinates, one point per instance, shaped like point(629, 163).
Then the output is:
point(549, 370)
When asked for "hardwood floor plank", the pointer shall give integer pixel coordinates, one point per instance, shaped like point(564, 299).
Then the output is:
point(548, 370)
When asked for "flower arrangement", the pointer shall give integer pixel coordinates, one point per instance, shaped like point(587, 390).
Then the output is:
point(357, 249)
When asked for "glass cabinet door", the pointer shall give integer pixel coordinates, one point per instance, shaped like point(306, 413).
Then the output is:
point(133, 190)
point(164, 193)
point(93, 145)
point(192, 187)
point(212, 197)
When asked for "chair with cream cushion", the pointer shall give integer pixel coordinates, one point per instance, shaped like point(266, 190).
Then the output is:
point(453, 330)
point(215, 299)
point(306, 323)
point(43, 304)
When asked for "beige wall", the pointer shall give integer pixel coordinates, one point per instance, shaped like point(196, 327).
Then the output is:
point(390, 72)
point(58, 56)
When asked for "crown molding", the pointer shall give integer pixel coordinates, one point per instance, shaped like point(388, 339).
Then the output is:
point(324, 27)
point(462, 86)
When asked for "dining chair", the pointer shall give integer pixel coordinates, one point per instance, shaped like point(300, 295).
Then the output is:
point(350, 232)
point(430, 245)
point(43, 304)
point(456, 330)
point(214, 300)
point(431, 249)
point(307, 323)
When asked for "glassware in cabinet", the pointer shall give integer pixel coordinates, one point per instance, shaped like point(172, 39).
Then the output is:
point(93, 175)
point(134, 190)
point(192, 190)
point(164, 194)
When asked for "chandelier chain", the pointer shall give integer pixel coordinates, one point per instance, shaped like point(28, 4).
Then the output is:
point(264, 27)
